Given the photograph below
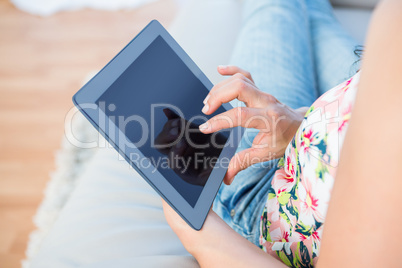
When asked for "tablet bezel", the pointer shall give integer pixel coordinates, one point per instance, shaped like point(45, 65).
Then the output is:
point(86, 101)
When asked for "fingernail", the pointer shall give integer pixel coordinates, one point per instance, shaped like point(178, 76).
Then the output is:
point(204, 126)
point(205, 109)
point(206, 99)
point(222, 67)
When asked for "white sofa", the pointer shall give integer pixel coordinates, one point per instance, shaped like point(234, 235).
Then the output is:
point(113, 218)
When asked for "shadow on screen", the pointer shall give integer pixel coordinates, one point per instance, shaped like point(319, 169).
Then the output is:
point(191, 154)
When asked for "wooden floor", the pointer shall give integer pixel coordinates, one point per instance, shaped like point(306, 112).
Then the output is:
point(42, 64)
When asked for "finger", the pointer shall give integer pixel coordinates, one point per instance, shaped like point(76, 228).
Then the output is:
point(227, 81)
point(178, 225)
point(164, 204)
point(243, 160)
point(168, 211)
point(239, 116)
point(236, 89)
point(231, 70)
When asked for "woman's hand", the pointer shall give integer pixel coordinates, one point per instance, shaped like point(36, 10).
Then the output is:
point(218, 245)
point(276, 122)
point(213, 230)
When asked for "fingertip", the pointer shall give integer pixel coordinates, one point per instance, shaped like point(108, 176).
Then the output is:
point(229, 176)
point(204, 128)
point(229, 179)
point(209, 109)
point(205, 109)
point(223, 69)
point(233, 169)
point(226, 180)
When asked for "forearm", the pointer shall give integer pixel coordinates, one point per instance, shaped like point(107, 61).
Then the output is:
point(242, 254)
point(364, 211)
point(223, 247)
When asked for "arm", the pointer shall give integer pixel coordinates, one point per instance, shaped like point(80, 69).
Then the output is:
point(218, 245)
point(363, 224)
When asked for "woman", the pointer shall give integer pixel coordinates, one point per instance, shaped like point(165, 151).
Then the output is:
point(296, 51)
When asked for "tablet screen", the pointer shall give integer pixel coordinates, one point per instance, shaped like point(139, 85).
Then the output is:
point(156, 102)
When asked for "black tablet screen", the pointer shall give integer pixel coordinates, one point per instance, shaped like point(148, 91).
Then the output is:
point(156, 103)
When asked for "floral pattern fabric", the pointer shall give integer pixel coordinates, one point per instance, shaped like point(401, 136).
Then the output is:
point(293, 218)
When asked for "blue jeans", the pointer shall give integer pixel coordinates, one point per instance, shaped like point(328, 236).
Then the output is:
point(295, 50)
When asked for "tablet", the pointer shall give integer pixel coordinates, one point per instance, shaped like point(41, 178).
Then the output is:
point(147, 103)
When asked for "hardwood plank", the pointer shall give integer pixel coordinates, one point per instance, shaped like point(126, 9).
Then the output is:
point(43, 62)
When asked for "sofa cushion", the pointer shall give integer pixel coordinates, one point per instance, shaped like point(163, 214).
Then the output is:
point(113, 217)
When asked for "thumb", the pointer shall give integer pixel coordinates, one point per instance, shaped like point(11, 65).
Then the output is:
point(239, 162)
point(243, 160)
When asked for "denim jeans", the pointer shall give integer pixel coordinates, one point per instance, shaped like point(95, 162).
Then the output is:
point(295, 50)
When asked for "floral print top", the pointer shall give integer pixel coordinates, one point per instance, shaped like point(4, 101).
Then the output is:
point(293, 218)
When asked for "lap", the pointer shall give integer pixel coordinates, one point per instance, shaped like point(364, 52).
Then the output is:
point(241, 204)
